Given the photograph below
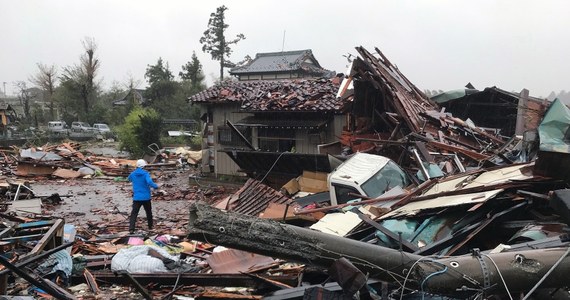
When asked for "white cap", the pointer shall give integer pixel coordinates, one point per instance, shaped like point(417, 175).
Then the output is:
point(141, 163)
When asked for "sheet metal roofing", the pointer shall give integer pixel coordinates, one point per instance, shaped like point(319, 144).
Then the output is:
point(254, 197)
point(309, 95)
point(281, 62)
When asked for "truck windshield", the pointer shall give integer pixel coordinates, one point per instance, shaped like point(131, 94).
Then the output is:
point(387, 178)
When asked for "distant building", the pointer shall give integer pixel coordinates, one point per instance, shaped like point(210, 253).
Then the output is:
point(281, 65)
point(37, 101)
point(135, 95)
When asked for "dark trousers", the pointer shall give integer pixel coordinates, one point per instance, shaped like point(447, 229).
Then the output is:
point(135, 212)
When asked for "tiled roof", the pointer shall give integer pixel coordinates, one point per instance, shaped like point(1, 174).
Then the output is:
point(290, 95)
point(281, 62)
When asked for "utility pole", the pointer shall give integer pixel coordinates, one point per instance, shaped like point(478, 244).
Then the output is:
point(4, 88)
point(456, 276)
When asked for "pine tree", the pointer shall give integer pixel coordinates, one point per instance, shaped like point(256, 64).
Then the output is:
point(214, 40)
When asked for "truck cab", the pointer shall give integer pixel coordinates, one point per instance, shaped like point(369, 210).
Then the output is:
point(365, 174)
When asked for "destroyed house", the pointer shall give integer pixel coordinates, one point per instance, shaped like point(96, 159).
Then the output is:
point(511, 113)
point(259, 121)
point(280, 66)
point(390, 116)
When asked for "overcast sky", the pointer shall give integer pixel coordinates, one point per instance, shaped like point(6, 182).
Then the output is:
point(436, 44)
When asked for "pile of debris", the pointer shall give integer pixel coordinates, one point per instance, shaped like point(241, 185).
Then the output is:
point(449, 209)
point(424, 205)
point(67, 161)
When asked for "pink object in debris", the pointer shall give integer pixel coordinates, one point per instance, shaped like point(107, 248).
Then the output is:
point(135, 241)
point(163, 239)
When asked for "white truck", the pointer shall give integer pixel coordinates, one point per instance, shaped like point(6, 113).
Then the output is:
point(365, 174)
point(362, 174)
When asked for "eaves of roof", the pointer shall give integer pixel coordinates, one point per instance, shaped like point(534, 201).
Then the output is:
point(288, 123)
point(309, 95)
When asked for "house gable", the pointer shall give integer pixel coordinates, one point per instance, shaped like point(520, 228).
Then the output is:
point(281, 65)
point(137, 95)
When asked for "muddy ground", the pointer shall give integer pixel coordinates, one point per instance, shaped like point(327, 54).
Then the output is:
point(99, 208)
point(108, 199)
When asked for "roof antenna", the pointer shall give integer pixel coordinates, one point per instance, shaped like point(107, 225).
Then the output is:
point(283, 45)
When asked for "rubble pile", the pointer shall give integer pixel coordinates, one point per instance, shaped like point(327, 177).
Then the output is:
point(467, 213)
point(420, 204)
point(412, 129)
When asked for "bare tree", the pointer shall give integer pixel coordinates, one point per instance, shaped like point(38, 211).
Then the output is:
point(83, 75)
point(131, 82)
point(46, 80)
point(24, 95)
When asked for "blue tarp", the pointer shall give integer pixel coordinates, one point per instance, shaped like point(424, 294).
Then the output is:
point(554, 128)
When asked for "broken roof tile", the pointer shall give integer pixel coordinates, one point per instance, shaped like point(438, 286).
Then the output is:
point(289, 95)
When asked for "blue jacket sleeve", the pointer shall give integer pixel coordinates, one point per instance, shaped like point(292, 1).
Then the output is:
point(150, 182)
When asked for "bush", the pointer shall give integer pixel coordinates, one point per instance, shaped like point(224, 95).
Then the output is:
point(141, 128)
point(194, 142)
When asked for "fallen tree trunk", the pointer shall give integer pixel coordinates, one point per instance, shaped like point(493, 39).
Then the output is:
point(294, 243)
point(454, 276)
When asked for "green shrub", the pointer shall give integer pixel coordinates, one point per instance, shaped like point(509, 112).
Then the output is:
point(141, 128)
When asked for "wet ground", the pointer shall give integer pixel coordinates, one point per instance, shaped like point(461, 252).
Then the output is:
point(90, 198)
point(109, 199)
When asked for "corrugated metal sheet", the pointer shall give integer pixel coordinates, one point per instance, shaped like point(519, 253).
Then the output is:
point(500, 175)
point(253, 198)
point(446, 201)
point(233, 261)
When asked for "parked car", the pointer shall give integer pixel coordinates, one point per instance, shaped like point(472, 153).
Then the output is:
point(81, 127)
point(57, 126)
point(101, 128)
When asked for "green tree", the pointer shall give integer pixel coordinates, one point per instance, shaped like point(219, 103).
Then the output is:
point(161, 82)
point(165, 94)
point(141, 128)
point(214, 40)
point(192, 76)
point(112, 115)
point(65, 96)
point(158, 72)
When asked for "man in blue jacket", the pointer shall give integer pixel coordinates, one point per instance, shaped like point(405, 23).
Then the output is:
point(141, 194)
